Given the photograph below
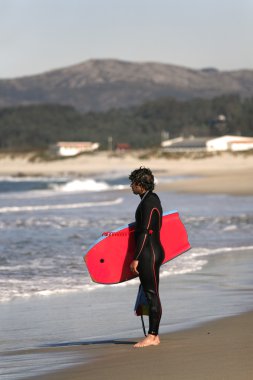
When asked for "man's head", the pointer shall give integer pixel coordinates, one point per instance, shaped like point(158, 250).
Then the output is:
point(143, 177)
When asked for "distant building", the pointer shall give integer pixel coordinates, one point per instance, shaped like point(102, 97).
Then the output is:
point(72, 148)
point(122, 147)
point(223, 143)
point(181, 144)
point(232, 143)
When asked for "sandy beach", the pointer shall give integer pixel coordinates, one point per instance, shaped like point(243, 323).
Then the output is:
point(223, 173)
point(221, 349)
point(218, 350)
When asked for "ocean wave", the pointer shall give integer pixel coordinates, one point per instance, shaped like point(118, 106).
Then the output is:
point(82, 185)
point(43, 284)
point(32, 178)
point(8, 295)
point(33, 187)
point(219, 219)
point(52, 221)
point(45, 281)
point(225, 223)
point(46, 222)
point(89, 185)
point(15, 209)
point(214, 251)
point(232, 227)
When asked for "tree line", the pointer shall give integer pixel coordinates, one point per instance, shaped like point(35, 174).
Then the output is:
point(39, 126)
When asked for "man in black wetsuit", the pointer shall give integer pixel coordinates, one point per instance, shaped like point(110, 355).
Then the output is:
point(149, 253)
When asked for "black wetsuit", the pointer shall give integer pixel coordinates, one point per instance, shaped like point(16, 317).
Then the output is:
point(150, 254)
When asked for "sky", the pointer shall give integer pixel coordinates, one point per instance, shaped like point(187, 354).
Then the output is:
point(41, 35)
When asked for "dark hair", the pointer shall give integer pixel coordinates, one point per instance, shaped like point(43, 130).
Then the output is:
point(143, 177)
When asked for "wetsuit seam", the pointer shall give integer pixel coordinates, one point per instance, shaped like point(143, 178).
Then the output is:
point(156, 285)
point(143, 243)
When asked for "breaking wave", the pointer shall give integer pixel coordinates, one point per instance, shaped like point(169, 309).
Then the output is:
point(59, 206)
point(78, 281)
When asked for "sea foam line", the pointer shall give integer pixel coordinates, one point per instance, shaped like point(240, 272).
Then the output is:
point(198, 252)
point(60, 206)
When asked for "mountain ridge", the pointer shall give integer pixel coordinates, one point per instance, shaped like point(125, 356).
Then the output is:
point(100, 85)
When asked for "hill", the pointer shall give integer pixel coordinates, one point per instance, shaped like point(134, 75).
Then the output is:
point(100, 85)
point(37, 126)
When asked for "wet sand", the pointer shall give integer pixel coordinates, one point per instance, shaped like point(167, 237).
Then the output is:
point(221, 350)
point(230, 182)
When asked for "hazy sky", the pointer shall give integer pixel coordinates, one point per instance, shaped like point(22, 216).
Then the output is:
point(39, 35)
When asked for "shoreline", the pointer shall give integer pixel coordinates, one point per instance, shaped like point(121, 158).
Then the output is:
point(224, 173)
point(76, 358)
point(219, 349)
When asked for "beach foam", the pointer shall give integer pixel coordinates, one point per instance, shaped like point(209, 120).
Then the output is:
point(37, 283)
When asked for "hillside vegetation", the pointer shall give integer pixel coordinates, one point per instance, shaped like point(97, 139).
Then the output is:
point(38, 126)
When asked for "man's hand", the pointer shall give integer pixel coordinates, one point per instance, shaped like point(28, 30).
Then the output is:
point(133, 266)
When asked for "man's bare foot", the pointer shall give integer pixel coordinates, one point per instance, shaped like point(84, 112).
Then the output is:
point(150, 340)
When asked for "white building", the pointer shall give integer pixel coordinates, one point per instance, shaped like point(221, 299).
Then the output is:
point(233, 143)
point(72, 148)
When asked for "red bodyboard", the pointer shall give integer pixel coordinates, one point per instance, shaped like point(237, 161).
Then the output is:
point(108, 260)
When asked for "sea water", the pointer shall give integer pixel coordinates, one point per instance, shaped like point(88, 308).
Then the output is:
point(47, 298)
